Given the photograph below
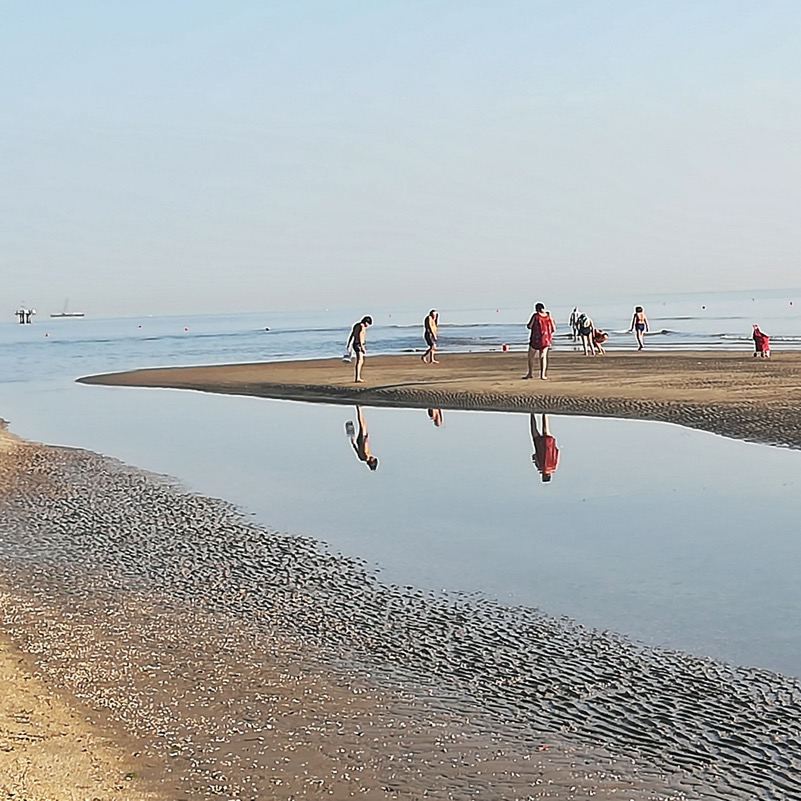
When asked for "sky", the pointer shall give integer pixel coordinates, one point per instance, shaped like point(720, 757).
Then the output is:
point(192, 156)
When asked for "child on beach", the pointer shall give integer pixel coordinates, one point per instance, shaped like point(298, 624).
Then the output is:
point(761, 343)
point(639, 324)
point(598, 339)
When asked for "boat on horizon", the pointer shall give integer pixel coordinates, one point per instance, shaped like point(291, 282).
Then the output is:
point(65, 313)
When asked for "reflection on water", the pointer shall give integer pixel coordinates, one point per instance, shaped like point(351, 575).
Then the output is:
point(360, 440)
point(675, 537)
point(546, 454)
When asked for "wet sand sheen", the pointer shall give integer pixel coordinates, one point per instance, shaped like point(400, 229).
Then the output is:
point(255, 664)
point(730, 394)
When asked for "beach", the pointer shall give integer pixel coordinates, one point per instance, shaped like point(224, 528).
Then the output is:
point(731, 394)
point(197, 655)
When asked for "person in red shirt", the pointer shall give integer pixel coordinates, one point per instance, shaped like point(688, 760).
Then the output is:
point(542, 327)
point(546, 454)
point(761, 343)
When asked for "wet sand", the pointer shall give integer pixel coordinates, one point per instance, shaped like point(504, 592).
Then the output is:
point(731, 394)
point(241, 662)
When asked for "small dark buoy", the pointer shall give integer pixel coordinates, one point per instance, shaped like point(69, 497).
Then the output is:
point(266, 329)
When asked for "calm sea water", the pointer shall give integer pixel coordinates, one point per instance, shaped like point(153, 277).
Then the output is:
point(674, 537)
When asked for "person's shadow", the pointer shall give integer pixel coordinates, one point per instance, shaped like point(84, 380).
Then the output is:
point(546, 454)
point(361, 440)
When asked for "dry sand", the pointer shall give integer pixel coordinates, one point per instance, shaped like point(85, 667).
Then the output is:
point(731, 394)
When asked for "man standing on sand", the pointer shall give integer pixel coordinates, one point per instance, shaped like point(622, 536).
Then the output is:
point(542, 327)
point(431, 326)
point(356, 341)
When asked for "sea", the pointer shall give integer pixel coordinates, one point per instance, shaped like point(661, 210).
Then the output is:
point(672, 537)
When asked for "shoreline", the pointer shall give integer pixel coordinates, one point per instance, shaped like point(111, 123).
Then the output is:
point(257, 664)
point(730, 394)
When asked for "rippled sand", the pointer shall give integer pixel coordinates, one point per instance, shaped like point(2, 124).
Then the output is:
point(247, 663)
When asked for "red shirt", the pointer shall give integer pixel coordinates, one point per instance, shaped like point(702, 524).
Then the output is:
point(542, 329)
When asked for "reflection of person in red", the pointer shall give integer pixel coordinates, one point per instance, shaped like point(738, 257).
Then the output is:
point(546, 454)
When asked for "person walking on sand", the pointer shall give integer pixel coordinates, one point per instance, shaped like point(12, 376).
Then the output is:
point(361, 440)
point(542, 327)
point(639, 324)
point(431, 327)
point(546, 454)
point(356, 341)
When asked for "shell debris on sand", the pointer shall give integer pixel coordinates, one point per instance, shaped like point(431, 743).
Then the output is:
point(254, 661)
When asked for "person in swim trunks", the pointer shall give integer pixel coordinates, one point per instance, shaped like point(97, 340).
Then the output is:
point(639, 324)
point(431, 329)
point(542, 327)
point(356, 341)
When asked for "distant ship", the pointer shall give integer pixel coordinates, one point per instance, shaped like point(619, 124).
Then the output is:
point(65, 313)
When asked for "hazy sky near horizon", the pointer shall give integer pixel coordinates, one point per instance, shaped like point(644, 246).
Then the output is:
point(167, 156)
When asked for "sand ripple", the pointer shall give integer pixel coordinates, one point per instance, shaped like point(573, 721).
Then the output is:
point(709, 730)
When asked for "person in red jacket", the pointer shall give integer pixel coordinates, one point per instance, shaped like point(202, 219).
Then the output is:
point(761, 343)
point(542, 327)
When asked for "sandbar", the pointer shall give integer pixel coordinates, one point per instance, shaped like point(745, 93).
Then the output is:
point(732, 394)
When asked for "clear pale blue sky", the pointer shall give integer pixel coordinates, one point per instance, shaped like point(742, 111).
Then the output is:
point(200, 156)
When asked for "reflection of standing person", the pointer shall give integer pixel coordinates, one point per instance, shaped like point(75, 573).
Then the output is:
point(356, 340)
point(361, 440)
point(431, 326)
point(542, 327)
point(639, 324)
point(436, 416)
point(761, 343)
point(546, 454)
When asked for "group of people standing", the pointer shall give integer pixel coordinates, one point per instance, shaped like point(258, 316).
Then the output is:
point(541, 326)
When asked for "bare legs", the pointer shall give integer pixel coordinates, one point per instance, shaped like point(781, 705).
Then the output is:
point(428, 356)
point(359, 362)
point(540, 356)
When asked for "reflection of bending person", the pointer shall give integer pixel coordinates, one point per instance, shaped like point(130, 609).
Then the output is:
point(436, 416)
point(361, 441)
point(546, 454)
